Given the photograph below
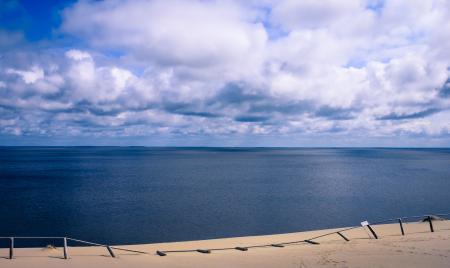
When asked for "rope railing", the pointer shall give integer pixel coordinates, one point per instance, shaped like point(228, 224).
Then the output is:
point(65, 246)
point(428, 218)
point(311, 240)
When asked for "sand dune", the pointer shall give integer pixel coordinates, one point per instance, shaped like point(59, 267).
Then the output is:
point(418, 248)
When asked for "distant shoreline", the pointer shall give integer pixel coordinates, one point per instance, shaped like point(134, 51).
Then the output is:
point(214, 147)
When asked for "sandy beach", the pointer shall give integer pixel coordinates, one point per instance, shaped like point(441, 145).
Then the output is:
point(418, 248)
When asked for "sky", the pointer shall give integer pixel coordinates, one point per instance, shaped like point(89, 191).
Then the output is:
point(365, 73)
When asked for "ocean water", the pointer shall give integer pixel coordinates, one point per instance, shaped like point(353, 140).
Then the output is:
point(126, 195)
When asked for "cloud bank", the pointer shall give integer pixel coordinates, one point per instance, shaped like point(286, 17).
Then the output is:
point(236, 72)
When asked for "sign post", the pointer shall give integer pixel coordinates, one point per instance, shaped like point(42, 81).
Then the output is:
point(366, 223)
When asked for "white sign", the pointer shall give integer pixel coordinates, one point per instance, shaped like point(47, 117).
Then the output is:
point(364, 223)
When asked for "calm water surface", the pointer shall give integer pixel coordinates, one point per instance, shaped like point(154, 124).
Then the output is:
point(125, 195)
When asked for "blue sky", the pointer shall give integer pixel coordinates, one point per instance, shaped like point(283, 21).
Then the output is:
point(35, 19)
point(225, 73)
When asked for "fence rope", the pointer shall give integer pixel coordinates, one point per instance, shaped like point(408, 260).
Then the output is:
point(311, 241)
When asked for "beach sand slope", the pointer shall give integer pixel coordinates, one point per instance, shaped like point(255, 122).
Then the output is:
point(418, 248)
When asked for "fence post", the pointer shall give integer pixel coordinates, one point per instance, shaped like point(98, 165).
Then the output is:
point(431, 224)
point(401, 226)
point(11, 248)
point(343, 236)
point(372, 231)
point(65, 248)
point(161, 253)
point(110, 251)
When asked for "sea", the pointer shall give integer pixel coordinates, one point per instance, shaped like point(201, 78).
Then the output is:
point(129, 195)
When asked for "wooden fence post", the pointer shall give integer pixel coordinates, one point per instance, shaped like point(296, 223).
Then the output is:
point(343, 236)
point(110, 251)
point(161, 253)
point(401, 226)
point(431, 224)
point(372, 231)
point(66, 256)
point(11, 248)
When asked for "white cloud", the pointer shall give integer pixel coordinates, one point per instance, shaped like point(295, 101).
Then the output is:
point(78, 55)
point(292, 14)
point(29, 76)
point(190, 33)
point(231, 67)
